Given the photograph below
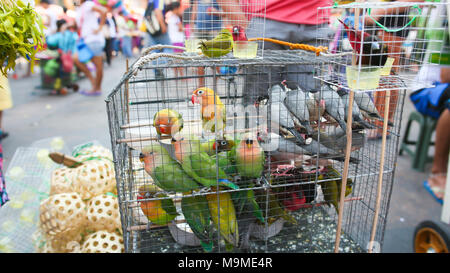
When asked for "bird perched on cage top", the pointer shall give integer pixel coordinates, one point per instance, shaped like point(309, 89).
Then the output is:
point(168, 122)
point(166, 172)
point(220, 46)
point(212, 111)
point(374, 53)
point(159, 211)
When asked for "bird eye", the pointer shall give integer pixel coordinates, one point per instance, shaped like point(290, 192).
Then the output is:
point(223, 143)
point(147, 195)
point(249, 141)
point(200, 92)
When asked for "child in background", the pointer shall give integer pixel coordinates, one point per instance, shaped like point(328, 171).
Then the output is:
point(175, 29)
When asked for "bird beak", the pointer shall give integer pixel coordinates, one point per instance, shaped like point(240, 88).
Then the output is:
point(194, 99)
point(249, 143)
point(214, 146)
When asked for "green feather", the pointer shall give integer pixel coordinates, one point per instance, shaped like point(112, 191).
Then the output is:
point(220, 46)
point(197, 215)
point(168, 206)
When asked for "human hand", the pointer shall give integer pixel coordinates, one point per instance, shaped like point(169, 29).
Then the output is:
point(97, 31)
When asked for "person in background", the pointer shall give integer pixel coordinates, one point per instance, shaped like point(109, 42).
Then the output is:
point(91, 32)
point(175, 29)
point(206, 17)
point(110, 33)
point(5, 102)
point(48, 16)
point(125, 34)
point(435, 184)
point(163, 38)
point(65, 38)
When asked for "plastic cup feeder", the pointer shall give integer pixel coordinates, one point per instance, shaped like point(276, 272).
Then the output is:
point(245, 50)
point(363, 79)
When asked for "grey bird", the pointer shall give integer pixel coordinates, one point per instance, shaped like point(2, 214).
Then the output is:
point(367, 107)
point(335, 138)
point(279, 114)
point(296, 102)
point(316, 109)
point(279, 144)
point(334, 105)
point(358, 120)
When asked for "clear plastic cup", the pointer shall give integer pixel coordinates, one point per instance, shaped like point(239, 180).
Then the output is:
point(245, 49)
point(368, 78)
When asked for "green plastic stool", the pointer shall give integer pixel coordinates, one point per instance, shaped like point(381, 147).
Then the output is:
point(420, 153)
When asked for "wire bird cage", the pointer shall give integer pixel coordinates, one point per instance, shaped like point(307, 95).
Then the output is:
point(396, 39)
point(255, 155)
point(206, 19)
point(281, 204)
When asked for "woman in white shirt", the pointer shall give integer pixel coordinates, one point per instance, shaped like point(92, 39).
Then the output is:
point(91, 32)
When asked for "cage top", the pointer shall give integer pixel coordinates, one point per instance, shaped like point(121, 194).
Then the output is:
point(271, 58)
point(381, 5)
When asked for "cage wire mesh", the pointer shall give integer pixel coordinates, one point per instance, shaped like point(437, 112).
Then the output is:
point(283, 169)
point(249, 155)
point(206, 20)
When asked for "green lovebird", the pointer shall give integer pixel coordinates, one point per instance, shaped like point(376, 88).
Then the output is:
point(211, 146)
point(167, 122)
point(223, 215)
point(250, 157)
point(159, 212)
point(198, 164)
point(226, 162)
point(220, 46)
point(166, 172)
point(197, 215)
point(245, 200)
point(332, 189)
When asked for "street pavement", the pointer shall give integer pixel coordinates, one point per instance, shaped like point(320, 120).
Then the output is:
point(78, 119)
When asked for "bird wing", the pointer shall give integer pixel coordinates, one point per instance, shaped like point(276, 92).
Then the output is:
point(167, 205)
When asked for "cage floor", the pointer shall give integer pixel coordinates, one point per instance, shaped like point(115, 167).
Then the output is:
point(306, 236)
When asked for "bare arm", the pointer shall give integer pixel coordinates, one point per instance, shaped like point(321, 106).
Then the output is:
point(193, 12)
point(233, 12)
point(160, 17)
point(445, 75)
point(103, 13)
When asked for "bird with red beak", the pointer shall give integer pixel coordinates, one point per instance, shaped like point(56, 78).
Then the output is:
point(374, 52)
